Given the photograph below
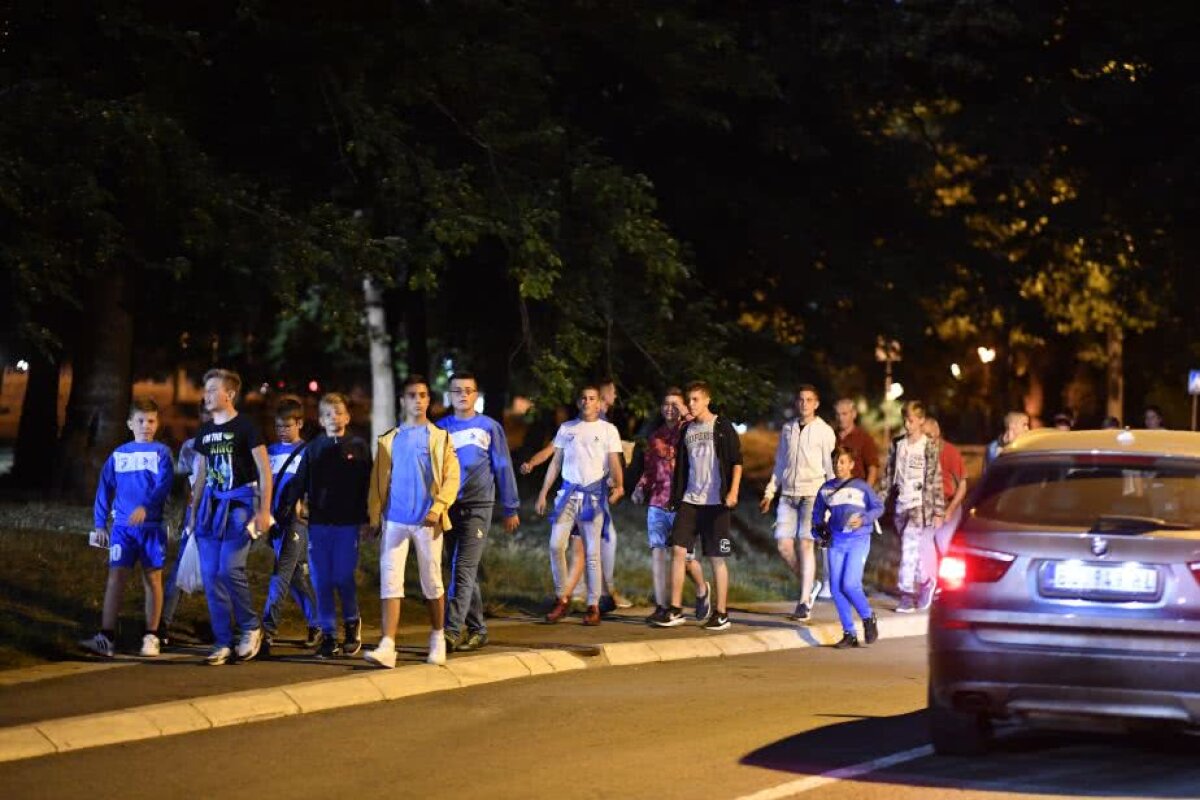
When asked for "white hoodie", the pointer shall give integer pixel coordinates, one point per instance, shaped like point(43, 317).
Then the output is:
point(803, 460)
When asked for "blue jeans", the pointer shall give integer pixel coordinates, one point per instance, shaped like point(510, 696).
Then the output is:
point(290, 576)
point(226, 587)
point(847, 558)
point(464, 543)
point(332, 560)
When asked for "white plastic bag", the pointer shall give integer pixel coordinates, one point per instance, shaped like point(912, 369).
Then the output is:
point(188, 577)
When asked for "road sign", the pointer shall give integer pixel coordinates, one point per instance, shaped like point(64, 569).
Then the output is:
point(1194, 381)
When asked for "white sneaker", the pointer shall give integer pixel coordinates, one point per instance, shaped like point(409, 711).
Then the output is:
point(437, 649)
point(151, 647)
point(218, 655)
point(384, 655)
point(100, 645)
point(249, 644)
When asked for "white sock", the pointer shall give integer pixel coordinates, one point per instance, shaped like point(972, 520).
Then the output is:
point(387, 643)
point(435, 637)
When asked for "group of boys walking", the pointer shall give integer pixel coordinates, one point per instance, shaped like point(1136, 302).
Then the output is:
point(433, 488)
point(429, 487)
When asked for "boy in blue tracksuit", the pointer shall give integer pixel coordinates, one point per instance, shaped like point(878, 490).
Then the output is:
point(333, 477)
point(289, 536)
point(133, 489)
point(846, 508)
point(486, 470)
point(231, 508)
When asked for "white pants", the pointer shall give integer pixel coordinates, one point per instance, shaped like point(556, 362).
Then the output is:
point(918, 554)
point(560, 537)
point(393, 555)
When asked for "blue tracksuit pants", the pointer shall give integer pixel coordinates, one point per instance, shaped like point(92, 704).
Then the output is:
point(847, 558)
point(226, 588)
point(332, 560)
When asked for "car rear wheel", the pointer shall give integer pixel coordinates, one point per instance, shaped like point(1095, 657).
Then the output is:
point(957, 733)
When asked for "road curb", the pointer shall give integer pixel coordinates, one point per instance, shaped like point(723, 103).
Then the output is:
point(257, 705)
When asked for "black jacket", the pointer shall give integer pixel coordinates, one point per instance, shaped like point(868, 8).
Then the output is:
point(729, 455)
point(334, 475)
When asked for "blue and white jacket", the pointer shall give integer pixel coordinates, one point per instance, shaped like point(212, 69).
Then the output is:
point(134, 475)
point(484, 461)
point(838, 500)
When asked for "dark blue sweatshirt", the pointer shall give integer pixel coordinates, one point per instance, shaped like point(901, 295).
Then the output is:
point(334, 475)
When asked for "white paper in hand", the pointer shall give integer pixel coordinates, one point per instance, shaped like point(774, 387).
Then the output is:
point(98, 538)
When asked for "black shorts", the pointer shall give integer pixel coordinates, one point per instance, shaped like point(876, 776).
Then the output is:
point(708, 524)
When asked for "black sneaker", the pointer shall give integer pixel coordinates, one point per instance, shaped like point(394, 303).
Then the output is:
point(607, 604)
point(659, 612)
point(476, 640)
point(352, 642)
point(453, 640)
point(848, 640)
point(802, 613)
point(671, 618)
point(314, 637)
point(330, 648)
point(870, 629)
point(717, 622)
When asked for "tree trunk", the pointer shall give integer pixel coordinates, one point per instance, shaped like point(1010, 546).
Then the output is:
point(416, 332)
point(1116, 372)
point(37, 431)
point(383, 379)
point(100, 387)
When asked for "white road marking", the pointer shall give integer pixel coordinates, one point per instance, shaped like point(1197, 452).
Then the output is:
point(800, 785)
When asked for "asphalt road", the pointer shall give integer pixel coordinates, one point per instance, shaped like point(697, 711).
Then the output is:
point(774, 724)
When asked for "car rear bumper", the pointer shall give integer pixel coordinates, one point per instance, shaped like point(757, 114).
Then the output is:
point(969, 675)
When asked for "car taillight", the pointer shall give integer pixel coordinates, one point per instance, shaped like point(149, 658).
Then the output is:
point(1195, 568)
point(964, 565)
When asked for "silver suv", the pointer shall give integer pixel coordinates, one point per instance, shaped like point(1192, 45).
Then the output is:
point(1070, 594)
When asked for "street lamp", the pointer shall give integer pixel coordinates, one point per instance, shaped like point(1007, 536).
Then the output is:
point(895, 391)
point(987, 355)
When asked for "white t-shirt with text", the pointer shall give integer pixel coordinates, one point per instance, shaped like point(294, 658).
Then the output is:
point(586, 446)
point(910, 467)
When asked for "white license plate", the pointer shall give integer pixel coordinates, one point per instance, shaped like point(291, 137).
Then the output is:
point(1069, 576)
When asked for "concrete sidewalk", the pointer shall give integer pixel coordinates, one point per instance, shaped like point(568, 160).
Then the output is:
point(96, 703)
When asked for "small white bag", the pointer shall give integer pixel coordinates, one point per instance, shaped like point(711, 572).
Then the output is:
point(188, 576)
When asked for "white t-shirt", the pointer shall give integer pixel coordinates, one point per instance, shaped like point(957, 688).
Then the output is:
point(585, 447)
point(704, 474)
point(910, 466)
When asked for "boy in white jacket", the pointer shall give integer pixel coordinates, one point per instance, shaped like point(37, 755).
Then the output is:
point(803, 462)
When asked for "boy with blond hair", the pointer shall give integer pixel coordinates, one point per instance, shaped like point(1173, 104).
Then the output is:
point(232, 508)
point(333, 479)
point(133, 489)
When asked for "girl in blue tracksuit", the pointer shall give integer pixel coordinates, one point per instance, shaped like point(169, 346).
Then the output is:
point(847, 507)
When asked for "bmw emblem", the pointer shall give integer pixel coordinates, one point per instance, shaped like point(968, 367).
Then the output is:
point(1099, 546)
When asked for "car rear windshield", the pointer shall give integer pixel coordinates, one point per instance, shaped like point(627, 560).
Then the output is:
point(1089, 491)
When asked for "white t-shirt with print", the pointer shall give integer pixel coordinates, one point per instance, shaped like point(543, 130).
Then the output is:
point(585, 447)
point(704, 473)
point(910, 467)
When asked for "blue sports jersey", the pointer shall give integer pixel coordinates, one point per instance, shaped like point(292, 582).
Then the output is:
point(134, 475)
point(483, 458)
point(279, 453)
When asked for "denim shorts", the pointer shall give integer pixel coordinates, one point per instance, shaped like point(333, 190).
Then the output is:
point(793, 518)
point(658, 526)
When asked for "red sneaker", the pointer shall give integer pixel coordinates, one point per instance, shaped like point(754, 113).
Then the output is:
point(559, 611)
point(592, 617)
